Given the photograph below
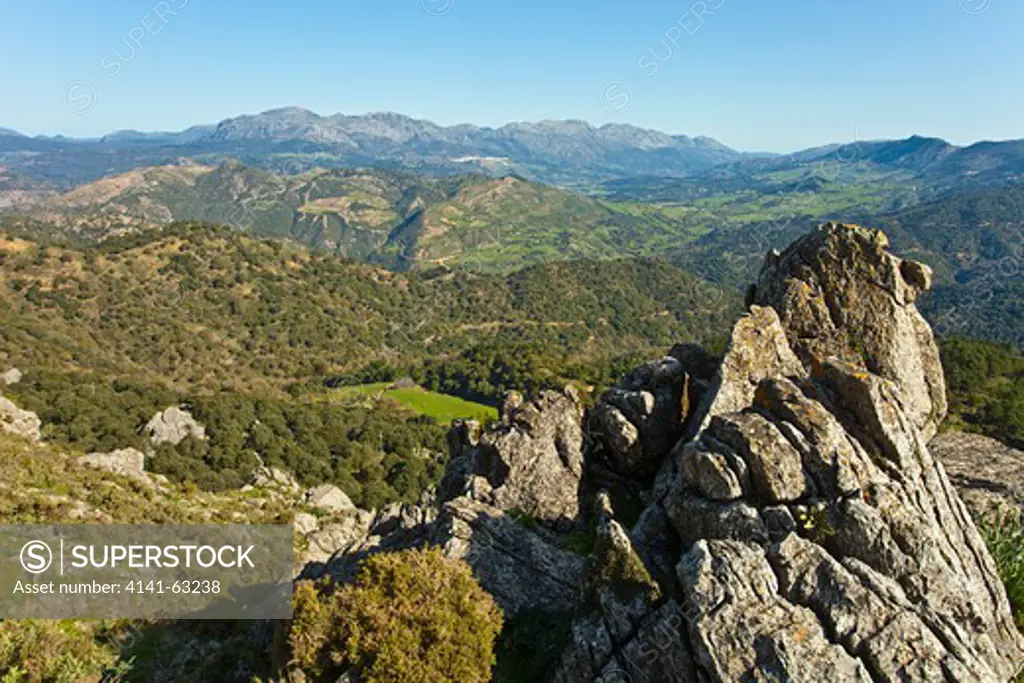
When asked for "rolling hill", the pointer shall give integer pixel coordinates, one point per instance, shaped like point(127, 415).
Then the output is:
point(399, 220)
point(192, 306)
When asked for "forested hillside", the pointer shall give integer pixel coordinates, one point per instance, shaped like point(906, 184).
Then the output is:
point(253, 336)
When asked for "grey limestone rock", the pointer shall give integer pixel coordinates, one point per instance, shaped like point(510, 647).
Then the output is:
point(23, 423)
point(173, 426)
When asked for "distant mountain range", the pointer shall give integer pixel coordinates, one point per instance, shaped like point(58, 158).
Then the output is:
point(292, 139)
point(569, 153)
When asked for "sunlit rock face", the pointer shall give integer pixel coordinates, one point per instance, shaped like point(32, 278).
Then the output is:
point(818, 539)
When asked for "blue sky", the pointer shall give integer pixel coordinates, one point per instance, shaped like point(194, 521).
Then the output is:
point(751, 73)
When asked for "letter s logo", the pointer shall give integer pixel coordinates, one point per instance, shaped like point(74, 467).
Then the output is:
point(36, 557)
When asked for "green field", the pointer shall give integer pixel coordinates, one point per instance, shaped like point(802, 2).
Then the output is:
point(441, 407)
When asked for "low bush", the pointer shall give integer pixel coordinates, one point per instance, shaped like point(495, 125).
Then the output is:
point(412, 616)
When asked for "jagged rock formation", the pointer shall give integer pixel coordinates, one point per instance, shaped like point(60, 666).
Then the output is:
point(639, 420)
point(820, 538)
point(796, 527)
point(988, 475)
point(23, 423)
point(840, 294)
point(619, 594)
point(532, 462)
point(503, 494)
point(521, 567)
point(173, 426)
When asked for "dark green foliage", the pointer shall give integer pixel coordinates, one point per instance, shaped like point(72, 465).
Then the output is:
point(205, 308)
point(530, 645)
point(985, 383)
point(90, 412)
point(376, 455)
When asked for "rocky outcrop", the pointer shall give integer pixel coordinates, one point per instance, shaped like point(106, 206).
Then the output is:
point(329, 498)
point(819, 538)
point(532, 462)
point(742, 625)
point(306, 524)
point(334, 537)
point(519, 566)
point(23, 423)
point(988, 474)
point(619, 594)
point(127, 462)
point(840, 294)
point(638, 421)
point(796, 528)
point(12, 376)
point(505, 492)
point(173, 426)
point(759, 350)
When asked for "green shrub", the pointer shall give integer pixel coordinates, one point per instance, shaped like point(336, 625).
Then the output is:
point(412, 616)
point(1004, 536)
point(42, 651)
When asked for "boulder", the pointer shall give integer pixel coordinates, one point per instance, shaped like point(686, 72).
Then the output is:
point(329, 498)
point(12, 376)
point(532, 461)
point(173, 425)
point(127, 462)
point(305, 523)
point(23, 423)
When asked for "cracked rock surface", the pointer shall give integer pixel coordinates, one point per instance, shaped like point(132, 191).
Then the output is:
point(795, 525)
point(820, 540)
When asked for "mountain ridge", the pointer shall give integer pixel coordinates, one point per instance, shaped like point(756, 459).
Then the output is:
point(569, 153)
